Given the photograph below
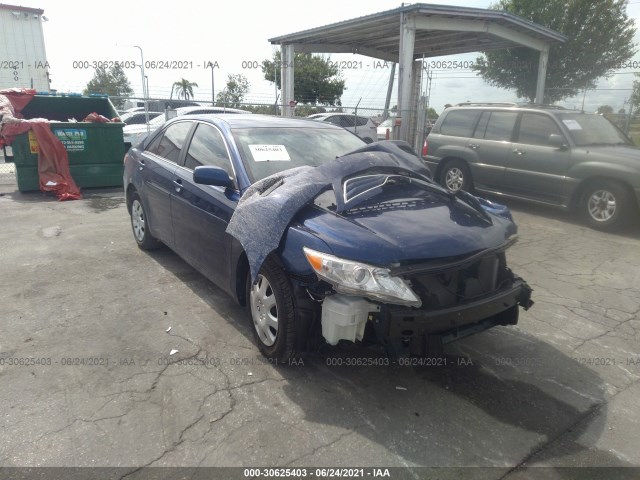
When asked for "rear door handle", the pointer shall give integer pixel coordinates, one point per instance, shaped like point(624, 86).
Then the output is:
point(178, 185)
point(517, 151)
point(473, 146)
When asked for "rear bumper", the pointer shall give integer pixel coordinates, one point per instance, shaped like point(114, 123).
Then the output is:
point(432, 162)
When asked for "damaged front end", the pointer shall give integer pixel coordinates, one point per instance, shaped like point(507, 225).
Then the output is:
point(417, 308)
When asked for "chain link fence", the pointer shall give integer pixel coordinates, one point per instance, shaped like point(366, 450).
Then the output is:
point(7, 169)
point(376, 114)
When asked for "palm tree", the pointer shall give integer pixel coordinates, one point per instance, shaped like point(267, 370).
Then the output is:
point(183, 88)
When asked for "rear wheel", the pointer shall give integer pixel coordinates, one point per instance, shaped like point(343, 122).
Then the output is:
point(271, 312)
point(455, 176)
point(606, 204)
point(140, 225)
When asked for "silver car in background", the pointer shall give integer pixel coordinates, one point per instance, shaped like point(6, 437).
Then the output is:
point(361, 126)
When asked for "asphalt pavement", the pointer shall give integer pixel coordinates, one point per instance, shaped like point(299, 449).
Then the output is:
point(88, 378)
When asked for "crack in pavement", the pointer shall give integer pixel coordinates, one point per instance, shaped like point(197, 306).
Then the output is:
point(320, 447)
point(545, 445)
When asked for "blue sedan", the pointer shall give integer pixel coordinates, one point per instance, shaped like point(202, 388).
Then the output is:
point(322, 237)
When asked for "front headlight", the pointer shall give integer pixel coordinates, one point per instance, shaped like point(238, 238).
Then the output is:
point(356, 278)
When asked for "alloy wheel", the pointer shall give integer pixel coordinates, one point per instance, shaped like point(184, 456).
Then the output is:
point(602, 205)
point(454, 179)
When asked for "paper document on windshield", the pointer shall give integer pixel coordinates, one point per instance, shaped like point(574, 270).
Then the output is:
point(572, 124)
point(269, 153)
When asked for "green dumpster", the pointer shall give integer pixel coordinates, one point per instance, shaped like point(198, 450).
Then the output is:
point(95, 150)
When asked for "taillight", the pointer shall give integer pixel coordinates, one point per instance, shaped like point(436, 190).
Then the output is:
point(425, 148)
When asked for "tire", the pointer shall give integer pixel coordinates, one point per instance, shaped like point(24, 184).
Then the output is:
point(271, 312)
point(140, 225)
point(606, 204)
point(456, 176)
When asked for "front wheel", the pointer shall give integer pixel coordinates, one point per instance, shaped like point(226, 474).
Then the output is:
point(271, 312)
point(606, 205)
point(456, 176)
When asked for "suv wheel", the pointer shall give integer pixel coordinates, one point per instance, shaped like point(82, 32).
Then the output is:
point(456, 176)
point(605, 204)
point(271, 312)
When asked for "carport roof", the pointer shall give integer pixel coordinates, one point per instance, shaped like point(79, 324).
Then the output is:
point(440, 30)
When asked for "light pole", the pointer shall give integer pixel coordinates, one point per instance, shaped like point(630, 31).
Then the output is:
point(213, 92)
point(144, 87)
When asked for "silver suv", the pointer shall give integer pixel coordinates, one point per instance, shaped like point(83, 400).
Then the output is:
point(546, 154)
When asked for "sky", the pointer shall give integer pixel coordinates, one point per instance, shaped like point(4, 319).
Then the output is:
point(235, 35)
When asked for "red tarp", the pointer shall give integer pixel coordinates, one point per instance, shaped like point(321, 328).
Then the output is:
point(53, 161)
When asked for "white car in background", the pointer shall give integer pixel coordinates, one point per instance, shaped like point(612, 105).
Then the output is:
point(361, 126)
point(134, 134)
point(383, 127)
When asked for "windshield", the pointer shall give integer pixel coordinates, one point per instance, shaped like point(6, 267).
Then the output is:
point(586, 129)
point(266, 151)
point(387, 123)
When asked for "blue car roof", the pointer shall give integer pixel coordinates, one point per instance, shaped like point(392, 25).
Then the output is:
point(260, 121)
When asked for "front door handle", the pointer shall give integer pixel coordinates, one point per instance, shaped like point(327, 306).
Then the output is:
point(517, 151)
point(177, 185)
point(141, 166)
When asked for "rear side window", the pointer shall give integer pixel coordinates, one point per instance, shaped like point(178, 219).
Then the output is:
point(361, 121)
point(171, 142)
point(535, 129)
point(347, 121)
point(499, 126)
point(336, 120)
point(460, 123)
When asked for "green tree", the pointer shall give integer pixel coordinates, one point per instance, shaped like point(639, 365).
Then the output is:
point(183, 88)
point(600, 37)
point(306, 110)
point(605, 109)
point(233, 94)
point(432, 114)
point(316, 79)
point(113, 82)
point(635, 95)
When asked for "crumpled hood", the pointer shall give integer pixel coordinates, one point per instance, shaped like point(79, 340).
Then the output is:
point(404, 225)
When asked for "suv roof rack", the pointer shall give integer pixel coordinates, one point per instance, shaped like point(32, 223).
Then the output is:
point(497, 104)
point(541, 105)
point(510, 104)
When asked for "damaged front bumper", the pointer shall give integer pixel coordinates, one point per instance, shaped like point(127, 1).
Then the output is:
point(423, 331)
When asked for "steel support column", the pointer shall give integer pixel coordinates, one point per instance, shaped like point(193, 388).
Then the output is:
point(542, 75)
point(408, 36)
point(286, 79)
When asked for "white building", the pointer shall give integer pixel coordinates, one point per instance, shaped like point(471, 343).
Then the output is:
point(23, 59)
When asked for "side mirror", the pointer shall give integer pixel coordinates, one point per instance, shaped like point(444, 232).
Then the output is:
point(557, 141)
point(207, 175)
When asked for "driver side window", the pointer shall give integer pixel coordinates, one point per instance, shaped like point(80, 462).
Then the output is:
point(208, 148)
point(535, 129)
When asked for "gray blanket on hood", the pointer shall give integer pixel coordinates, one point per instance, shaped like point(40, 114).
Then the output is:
point(268, 206)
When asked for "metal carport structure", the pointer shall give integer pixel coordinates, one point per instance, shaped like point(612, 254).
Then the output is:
point(409, 33)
